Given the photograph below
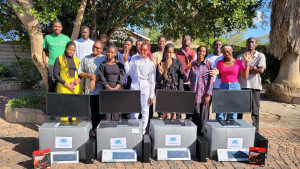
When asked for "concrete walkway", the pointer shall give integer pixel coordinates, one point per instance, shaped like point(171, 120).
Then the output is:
point(18, 141)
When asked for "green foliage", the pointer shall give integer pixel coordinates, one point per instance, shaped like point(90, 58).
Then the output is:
point(153, 34)
point(200, 18)
point(29, 101)
point(29, 72)
point(204, 19)
point(3, 70)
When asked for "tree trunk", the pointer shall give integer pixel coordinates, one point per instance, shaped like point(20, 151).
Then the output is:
point(285, 45)
point(78, 20)
point(34, 30)
point(94, 21)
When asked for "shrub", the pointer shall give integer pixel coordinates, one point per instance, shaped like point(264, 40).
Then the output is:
point(29, 72)
point(3, 70)
point(29, 101)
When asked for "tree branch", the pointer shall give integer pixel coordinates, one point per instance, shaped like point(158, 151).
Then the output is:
point(119, 23)
point(78, 20)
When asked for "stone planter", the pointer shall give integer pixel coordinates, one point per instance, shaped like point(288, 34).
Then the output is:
point(15, 85)
point(24, 115)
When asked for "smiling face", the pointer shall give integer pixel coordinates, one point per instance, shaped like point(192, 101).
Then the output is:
point(144, 51)
point(217, 46)
point(71, 50)
point(57, 28)
point(97, 49)
point(201, 53)
point(170, 53)
point(127, 45)
point(227, 53)
point(138, 45)
point(111, 53)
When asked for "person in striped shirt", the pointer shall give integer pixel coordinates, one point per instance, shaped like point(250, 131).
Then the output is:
point(197, 73)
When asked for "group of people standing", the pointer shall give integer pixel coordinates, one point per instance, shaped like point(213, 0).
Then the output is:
point(110, 69)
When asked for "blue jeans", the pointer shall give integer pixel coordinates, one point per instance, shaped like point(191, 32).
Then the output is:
point(228, 86)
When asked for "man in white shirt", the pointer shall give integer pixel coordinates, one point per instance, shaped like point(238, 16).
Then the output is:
point(142, 72)
point(84, 45)
point(253, 82)
point(214, 58)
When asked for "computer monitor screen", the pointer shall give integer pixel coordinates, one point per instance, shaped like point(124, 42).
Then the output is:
point(67, 105)
point(235, 101)
point(120, 101)
point(175, 101)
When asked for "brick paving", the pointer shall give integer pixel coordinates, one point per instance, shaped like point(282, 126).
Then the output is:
point(17, 141)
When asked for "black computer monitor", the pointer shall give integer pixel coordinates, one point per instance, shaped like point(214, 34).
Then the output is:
point(67, 105)
point(231, 101)
point(235, 101)
point(120, 101)
point(168, 101)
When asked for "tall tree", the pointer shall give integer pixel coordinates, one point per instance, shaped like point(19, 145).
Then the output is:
point(199, 18)
point(285, 45)
point(31, 18)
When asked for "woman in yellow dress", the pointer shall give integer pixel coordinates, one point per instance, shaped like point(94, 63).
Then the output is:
point(65, 71)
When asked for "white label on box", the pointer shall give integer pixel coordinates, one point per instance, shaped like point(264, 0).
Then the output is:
point(236, 143)
point(135, 131)
point(117, 143)
point(173, 140)
point(63, 142)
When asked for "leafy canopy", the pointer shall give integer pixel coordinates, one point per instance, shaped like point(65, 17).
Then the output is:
point(199, 18)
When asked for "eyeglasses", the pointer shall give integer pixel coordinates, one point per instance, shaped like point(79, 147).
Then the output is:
point(143, 50)
point(96, 47)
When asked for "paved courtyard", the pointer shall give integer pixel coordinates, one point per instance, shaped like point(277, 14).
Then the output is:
point(18, 141)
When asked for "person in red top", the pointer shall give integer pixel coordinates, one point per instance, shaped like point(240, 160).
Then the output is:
point(186, 55)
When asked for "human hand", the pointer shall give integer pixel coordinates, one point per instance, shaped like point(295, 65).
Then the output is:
point(215, 71)
point(189, 65)
point(75, 82)
point(92, 85)
point(253, 68)
point(247, 57)
point(160, 68)
point(125, 55)
point(46, 64)
point(70, 87)
point(150, 101)
point(206, 100)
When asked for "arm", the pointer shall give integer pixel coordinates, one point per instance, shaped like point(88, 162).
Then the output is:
point(121, 78)
point(180, 77)
point(261, 66)
point(186, 76)
point(158, 77)
point(44, 56)
point(245, 72)
point(152, 84)
point(57, 75)
point(152, 80)
point(255, 70)
point(188, 68)
point(127, 67)
point(102, 78)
